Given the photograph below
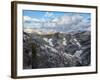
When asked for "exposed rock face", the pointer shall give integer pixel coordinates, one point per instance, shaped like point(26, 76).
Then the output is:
point(85, 40)
point(56, 50)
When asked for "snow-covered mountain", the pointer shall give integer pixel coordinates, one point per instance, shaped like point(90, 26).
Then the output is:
point(56, 49)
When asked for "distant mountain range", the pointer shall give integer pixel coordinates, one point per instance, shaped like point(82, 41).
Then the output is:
point(38, 31)
point(51, 31)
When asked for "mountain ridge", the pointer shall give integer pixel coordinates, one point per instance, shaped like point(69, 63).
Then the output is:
point(56, 50)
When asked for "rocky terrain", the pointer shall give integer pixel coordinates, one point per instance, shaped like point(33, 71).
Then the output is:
point(56, 50)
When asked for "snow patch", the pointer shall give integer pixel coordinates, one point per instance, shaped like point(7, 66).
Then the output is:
point(52, 49)
point(45, 39)
point(75, 40)
point(50, 42)
point(78, 53)
point(64, 42)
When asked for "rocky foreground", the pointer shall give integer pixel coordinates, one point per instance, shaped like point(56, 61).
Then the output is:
point(56, 50)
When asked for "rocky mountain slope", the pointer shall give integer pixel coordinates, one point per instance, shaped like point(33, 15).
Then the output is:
point(56, 50)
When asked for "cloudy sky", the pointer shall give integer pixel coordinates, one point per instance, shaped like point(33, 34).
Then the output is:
point(57, 21)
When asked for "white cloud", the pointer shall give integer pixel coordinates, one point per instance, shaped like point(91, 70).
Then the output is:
point(77, 19)
point(70, 20)
point(27, 18)
point(48, 14)
point(43, 19)
point(35, 19)
point(71, 23)
point(55, 20)
point(50, 25)
point(30, 22)
point(65, 20)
